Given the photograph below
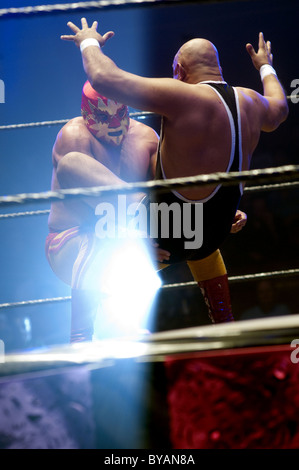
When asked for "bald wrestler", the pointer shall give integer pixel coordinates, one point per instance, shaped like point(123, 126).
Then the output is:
point(208, 126)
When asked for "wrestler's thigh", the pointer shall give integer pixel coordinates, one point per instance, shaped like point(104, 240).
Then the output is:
point(208, 268)
point(62, 262)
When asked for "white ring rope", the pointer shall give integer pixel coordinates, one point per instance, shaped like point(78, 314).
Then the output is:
point(137, 114)
point(250, 189)
point(232, 279)
point(63, 7)
point(286, 172)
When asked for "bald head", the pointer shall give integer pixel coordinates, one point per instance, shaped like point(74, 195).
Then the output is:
point(197, 58)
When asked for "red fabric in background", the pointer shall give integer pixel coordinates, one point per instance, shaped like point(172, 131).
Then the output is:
point(234, 400)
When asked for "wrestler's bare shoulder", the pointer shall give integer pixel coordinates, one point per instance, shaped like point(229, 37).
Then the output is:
point(73, 131)
point(250, 96)
point(244, 93)
point(251, 102)
point(142, 130)
point(73, 136)
point(74, 127)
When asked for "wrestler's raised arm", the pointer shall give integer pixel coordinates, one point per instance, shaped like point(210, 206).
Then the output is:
point(273, 105)
point(146, 94)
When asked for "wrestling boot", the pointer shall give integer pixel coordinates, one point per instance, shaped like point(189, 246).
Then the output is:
point(217, 298)
point(82, 317)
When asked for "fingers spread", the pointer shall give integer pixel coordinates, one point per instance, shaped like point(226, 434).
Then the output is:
point(108, 35)
point(250, 49)
point(73, 27)
point(67, 37)
point(84, 23)
point(261, 41)
point(269, 46)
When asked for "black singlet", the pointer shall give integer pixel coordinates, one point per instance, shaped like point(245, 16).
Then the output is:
point(219, 208)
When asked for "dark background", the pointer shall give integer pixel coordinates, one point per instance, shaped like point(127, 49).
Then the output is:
point(43, 80)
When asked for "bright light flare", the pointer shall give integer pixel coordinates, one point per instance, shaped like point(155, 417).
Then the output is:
point(128, 284)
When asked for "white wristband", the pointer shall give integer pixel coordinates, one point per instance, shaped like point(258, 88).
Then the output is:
point(88, 42)
point(265, 70)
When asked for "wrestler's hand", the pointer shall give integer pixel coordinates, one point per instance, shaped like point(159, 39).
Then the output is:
point(86, 32)
point(157, 253)
point(160, 254)
point(239, 222)
point(263, 55)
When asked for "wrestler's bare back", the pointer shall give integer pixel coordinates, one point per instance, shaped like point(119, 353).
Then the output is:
point(201, 143)
point(80, 160)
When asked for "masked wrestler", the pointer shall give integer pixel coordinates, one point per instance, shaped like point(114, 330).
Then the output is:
point(101, 147)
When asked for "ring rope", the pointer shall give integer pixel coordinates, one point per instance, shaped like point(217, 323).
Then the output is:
point(293, 98)
point(137, 114)
point(268, 187)
point(24, 214)
point(34, 302)
point(241, 278)
point(285, 172)
point(34, 124)
point(232, 279)
point(62, 7)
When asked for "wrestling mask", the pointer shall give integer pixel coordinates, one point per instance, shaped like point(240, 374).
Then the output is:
point(106, 119)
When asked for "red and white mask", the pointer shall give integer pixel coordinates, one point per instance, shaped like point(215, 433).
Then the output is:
point(106, 119)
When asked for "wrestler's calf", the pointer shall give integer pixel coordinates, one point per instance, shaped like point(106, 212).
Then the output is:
point(211, 276)
point(217, 298)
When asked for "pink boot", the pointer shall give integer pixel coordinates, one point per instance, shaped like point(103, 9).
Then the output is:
point(217, 298)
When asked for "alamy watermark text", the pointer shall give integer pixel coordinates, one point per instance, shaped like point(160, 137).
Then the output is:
point(154, 220)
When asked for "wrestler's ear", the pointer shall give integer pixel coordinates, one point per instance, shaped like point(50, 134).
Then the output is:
point(181, 72)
